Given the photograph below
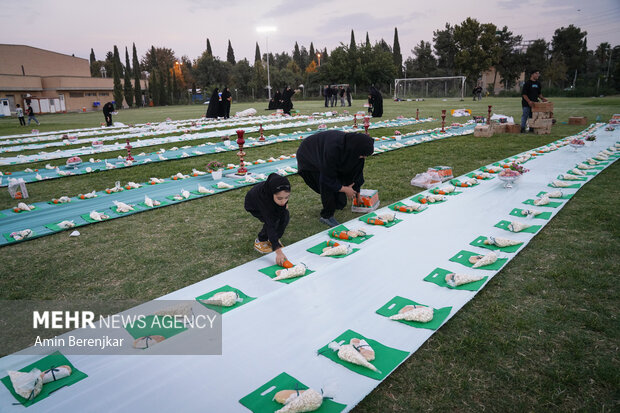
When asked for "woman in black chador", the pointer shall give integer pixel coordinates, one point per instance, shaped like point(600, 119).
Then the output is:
point(108, 108)
point(376, 102)
point(226, 101)
point(213, 110)
point(287, 104)
point(332, 165)
point(268, 201)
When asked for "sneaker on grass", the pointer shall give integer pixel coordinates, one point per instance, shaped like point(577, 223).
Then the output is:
point(264, 247)
point(331, 221)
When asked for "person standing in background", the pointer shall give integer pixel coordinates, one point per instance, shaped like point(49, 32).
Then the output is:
point(334, 95)
point(326, 94)
point(287, 103)
point(532, 90)
point(375, 99)
point(214, 105)
point(20, 115)
point(226, 102)
point(341, 92)
point(348, 92)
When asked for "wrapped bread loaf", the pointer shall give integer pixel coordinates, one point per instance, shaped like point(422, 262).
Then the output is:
point(20, 235)
point(293, 272)
point(66, 224)
point(577, 171)
point(584, 166)
point(364, 348)
point(348, 353)
point(560, 184)
point(223, 185)
point(530, 212)
point(483, 260)
point(543, 200)
point(223, 298)
point(354, 233)
point(555, 194)
point(122, 207)
point(98, 216)
point(418, 313)
point(204, 190)
point(150, 202)
point(22, 206)
point(302, 401)
point(501, 242)
point(517, 226)
point(569, 177)
point(56, 373)
point(454, 280)
point(387, 217)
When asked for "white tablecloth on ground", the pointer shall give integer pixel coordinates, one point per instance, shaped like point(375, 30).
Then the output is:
point(283, 328)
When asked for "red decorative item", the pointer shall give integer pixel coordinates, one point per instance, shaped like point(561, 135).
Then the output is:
point(489, 116)
point(261, 130)
point(240, 141)
point(355, 121)
point(417, 114)
point(366, 124)
point(128, 147)
point(443, 121)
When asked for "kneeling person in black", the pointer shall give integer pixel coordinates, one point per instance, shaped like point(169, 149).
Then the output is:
point(268, 201)
point(332, 165)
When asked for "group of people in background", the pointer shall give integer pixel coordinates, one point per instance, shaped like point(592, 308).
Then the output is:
point(332, 93)
point(20, 115)
point(219, 104)
point(282, 100)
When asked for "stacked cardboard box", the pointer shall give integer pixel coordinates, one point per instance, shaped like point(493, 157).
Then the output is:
point(506, 128)
point(542, 118)
point(577, 120)
point(483, 131)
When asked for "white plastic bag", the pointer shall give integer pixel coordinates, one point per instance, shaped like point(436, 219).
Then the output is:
point(426, 180)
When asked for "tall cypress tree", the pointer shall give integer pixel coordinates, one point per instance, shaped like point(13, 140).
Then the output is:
point(128, 89)
point(352, 45)
point(154, 88)
point(398, 57)
point(257, 56)
point(367, 40)
point(311, 52)
point(175, 92)
point(209, 51)
point(297, 55)
point(118, 87)
point(137, 90)
point(92, 63)
point(230, 55)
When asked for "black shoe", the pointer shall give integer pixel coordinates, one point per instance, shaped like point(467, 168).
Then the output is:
point(522, 130)
point(330, 222)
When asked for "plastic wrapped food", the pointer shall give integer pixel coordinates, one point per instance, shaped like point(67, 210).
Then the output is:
point(418, 313)
point(302, 401)
point(500, 242)
point(348, 353)
point(483, 260)
point(454, 280)
point(223, 298)
point(293, 272)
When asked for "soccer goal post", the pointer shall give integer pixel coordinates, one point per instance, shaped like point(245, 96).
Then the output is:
point(430, 87)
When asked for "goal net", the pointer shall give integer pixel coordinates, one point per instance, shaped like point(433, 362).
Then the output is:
point(429, 87)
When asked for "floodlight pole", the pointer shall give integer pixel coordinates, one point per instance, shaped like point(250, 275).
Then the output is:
point(268, 79)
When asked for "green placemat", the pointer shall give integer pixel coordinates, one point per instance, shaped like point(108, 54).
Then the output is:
point(340, 228)
point(162, 203)
point(438, 276)
point(2, 215)
point(386, 358)
point(271, 272)
point(364, 218)
point(87, 218)
point(517, 213)
point(551, 204)
point(574, 186)
point(220, 309)
point(318, 250)
point(261, 399)
point(399, 204)
point(152, 328)
point(565, 196)
point(54, 226)
point(460, 184)
point(7, 236)
point(463, 256)
point(420, 196)
point(479, 242)
point(59, 203)
point(474, 175)
point(53, 360)
point(581, 178)
point(393, 306)
point(529, 230)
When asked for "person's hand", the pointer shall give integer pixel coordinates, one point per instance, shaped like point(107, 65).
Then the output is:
point(530, 103)
point(348, 191)
point(358, 198)
point(544, 100)
point(280, 257)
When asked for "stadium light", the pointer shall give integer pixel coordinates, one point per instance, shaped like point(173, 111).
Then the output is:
point(267, 30)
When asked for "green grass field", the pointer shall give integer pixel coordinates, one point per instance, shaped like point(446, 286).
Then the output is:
point(542, 336)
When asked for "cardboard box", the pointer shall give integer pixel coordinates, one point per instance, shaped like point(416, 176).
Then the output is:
point(542, 131)
point(499, 127)
point(444, 172)
point(370, 201)
point(542, 115)
point(483, 131)
point(542, 107)
point(540, 123)
point(577, 120)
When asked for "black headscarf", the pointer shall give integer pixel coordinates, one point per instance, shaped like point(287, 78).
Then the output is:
point(260, 197)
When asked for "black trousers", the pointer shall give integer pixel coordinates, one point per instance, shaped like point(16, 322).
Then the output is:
point(22, 121)
point(108, 119)
point(281, 225)
point(331, 200)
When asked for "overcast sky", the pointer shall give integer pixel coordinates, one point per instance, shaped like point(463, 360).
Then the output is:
point(76, 26)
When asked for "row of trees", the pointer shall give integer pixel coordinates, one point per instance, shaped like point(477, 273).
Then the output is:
point(468, 49)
